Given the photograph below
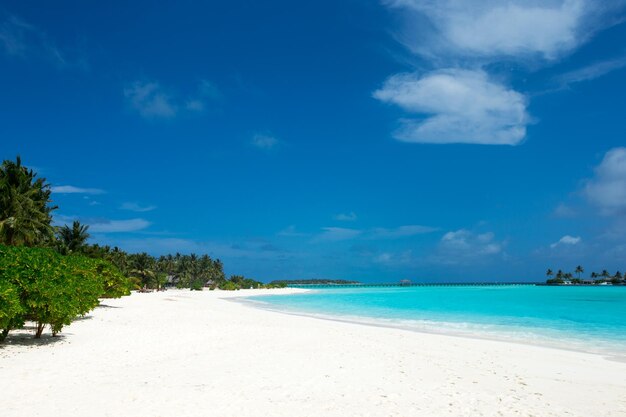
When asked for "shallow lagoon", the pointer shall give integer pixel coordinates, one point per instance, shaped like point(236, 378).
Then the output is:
point(590, 318)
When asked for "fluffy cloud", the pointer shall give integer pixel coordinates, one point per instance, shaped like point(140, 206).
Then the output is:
point(392, 259)
point(152, 101)
point(567, 240)
point(458, 102)
point(265, 142)
point(70, 189)
point(607, 189)
point(149, 99)
point(463, 245)
point(459, 106)
point(488, 28)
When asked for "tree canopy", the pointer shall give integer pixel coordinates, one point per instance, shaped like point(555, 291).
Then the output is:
point(25, 206)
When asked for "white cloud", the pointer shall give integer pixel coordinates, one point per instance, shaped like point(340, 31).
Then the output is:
point(335, 234)
point(265, 142)
point(117, 226)
point(345, 217)
point(491, 28)
point(70, 189)
point(592, 72)
point(136, 207)
point(607, 189)
point(152, 101)
point(567, 240)
point(149, 99)
point(393, 259)
point(401, 231)
point(463, 245)
point(458, 102)
point(459, 106)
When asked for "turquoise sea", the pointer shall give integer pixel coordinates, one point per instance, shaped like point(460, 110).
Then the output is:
point(582, 318)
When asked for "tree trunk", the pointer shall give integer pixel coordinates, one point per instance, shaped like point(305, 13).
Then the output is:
point(4, 334)
point(39, 331)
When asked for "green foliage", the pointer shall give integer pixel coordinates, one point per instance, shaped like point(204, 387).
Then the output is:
point(237, 282)
point(561, 277)
point(228, 286)
point(143, 269)
point(115, 284)
point(11, 311)
point(25, 210)
point(196, 286)
point(53, 289)
point(276, 284)
point(74, 239)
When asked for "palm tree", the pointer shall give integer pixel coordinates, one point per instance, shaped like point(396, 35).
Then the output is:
point(74, 239)
point(143, 268)
point(25, 210)
point(549, 273)
point(166, 268)
point(119, 258)
point(579, 270)
point(605, 274)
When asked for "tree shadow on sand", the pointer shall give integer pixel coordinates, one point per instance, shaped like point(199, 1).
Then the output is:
point(24, 337)
point(106, 306)
point(83, 318)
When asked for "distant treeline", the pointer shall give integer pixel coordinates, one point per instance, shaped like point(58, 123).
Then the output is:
point(595, 278)
point(312, 282)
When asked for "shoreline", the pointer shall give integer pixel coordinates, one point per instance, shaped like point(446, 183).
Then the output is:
point(493, 336)
point(183, 353)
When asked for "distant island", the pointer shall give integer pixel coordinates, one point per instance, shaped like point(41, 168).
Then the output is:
point(281, 283)
point(567, 278)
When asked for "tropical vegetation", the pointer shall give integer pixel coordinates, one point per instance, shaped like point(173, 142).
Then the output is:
point(51, 275)
point(46, 288)
point(568, 278)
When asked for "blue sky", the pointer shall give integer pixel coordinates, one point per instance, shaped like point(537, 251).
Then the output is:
point(368, 140)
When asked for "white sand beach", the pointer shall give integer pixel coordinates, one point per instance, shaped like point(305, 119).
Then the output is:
point(182, 353)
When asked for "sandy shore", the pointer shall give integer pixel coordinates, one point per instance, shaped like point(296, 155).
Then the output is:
point(183, 353)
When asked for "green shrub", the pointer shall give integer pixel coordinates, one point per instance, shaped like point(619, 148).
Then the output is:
point(11, 311)
point(53, 289)
point(115, 284)
point(228, 286)
point(196, 285)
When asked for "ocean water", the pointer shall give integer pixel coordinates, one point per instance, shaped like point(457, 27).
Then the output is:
point(591, 319)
